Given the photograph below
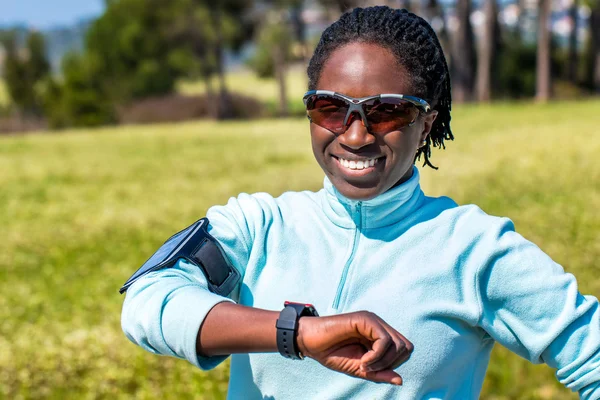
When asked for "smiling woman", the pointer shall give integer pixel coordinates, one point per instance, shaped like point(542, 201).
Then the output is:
point(393, 286)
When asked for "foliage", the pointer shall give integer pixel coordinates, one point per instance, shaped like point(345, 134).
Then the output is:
point(81, 210)
point(139, 49)
point(25, 71)
point(133, 51)
point(4, 99)
point(80, 98)
point(273, 34)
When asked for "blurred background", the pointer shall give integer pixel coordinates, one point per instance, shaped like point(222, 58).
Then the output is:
point(123, 121)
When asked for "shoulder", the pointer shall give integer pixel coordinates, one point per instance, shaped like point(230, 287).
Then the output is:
point(260, 209)
point(466, 224)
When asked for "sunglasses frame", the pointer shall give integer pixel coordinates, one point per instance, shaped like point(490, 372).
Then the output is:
point(356, 104)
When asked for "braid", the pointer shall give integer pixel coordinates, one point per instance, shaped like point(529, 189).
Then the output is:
point(416, 47)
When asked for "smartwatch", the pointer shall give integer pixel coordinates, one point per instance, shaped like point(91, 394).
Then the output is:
point(287, 328)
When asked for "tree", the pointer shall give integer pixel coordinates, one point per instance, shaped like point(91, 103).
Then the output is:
point(232, 28)
point(140, 48)
point(488, 48)
point(594, 48)
point(25, 71)
point(573, 64)
point(463, 54)
point(189, 27)
point(273, 53)
point(134, 55)
point(543, 75)
point(80, 98)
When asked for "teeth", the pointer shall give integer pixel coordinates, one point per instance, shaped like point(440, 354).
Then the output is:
point(358, 165)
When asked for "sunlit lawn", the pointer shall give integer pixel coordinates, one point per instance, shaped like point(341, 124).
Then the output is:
point(81, 210)
point(3, 94)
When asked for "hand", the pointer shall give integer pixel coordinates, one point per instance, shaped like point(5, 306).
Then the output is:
point(358, 344)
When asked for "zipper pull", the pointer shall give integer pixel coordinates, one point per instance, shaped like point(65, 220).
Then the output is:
point(358, 219)
point(358, 205)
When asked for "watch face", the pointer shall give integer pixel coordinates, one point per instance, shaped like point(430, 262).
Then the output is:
point(303, 309)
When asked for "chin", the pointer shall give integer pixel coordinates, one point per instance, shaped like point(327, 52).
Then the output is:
point(356, 192)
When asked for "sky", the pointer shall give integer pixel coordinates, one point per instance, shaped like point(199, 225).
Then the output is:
point(43, 14)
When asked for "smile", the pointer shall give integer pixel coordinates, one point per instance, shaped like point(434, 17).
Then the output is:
point(362, 164)
point(358, 165)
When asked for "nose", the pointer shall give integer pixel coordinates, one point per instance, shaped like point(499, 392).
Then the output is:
point(356, 135)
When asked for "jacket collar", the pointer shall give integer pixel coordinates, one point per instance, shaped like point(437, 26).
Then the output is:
point(386, 209)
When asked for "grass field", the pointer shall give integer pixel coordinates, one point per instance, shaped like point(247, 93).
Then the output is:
point(3, 94)
point(81, 210)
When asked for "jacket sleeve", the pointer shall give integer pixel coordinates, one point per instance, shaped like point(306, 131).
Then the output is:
point(163, 310)
point(532, 307)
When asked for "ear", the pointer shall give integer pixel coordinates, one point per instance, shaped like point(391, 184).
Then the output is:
point(428, 120)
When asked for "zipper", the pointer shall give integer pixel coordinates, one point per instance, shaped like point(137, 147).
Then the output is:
point(357, 230)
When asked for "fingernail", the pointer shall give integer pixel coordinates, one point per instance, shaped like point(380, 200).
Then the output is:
point(397, 381)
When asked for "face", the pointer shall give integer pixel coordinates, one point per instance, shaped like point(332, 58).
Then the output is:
point(361, 70)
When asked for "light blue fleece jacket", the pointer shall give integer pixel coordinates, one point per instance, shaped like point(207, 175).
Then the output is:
point(452, 279)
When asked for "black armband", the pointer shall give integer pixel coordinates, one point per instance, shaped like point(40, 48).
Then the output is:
point(198, 247)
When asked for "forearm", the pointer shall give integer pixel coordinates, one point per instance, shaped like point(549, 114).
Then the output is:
point(232, 328)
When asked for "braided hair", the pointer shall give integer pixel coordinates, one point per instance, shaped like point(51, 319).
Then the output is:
point(414, 44)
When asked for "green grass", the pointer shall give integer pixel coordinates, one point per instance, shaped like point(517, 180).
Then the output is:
point(3, 94)
point(80, 210)
point(265, 90)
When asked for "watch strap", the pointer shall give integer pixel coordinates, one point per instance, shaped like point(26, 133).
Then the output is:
point(287, 328)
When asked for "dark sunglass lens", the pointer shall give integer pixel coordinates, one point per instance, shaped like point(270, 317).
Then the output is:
point(390, 114)
point(327, 112)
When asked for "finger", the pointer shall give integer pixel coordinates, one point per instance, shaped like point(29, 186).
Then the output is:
point(392, 354)
point(402, 358)
point(379, 349)
point(385, 376)
point(394, 333)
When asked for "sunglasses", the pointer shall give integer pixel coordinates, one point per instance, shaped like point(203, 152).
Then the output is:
point(382, 113)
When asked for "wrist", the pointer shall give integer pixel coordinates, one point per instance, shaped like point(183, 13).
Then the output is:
point(288, 325)
point(300, 337)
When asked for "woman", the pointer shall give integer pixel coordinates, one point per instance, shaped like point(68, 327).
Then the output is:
point(412, 291)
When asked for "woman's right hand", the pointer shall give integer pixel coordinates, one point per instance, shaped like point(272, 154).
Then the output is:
point(358, 344)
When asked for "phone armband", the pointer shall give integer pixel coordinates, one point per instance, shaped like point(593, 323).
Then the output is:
point(198, 247)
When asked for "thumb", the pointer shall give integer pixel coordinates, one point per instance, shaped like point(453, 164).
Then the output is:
point(386, 375)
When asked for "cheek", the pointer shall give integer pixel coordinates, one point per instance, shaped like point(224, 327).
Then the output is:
point(319, 144)
point(320, 139)
point(402, 143)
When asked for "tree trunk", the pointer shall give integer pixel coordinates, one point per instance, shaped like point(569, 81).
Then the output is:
point(573, 61)
point(224, 103)
point(210, 96)
point(487, 47)
point(434, 14)
point(595, 46)
point(521, 18)
point(299, 28)
point(280, 67)
point(543, 78)
point(463, 55)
